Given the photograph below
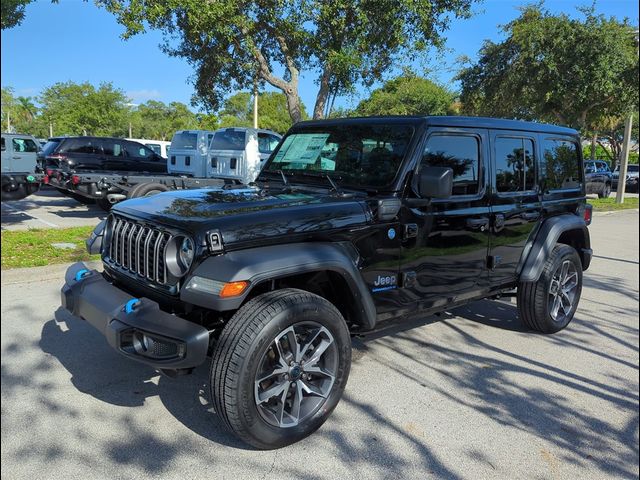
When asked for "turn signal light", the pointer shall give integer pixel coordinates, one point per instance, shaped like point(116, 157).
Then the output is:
point(233, 289)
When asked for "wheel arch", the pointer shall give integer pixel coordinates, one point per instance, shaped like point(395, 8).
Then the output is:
point(568, 229)
point(327, 269)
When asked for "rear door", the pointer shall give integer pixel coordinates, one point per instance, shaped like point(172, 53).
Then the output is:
point(227, 153)
point(114, 155)
point(141, 158)
point(23, 155)
point(515, 201)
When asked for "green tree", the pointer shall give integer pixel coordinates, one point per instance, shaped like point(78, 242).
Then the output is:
point(157, 120)
point(76, 109)
point(555, 68)
point(272, 111)
point(12, 12)
point(408, 95)
point(232, 43)
point(18, 113)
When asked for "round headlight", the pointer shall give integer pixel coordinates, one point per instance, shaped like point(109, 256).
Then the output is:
point(186, 252)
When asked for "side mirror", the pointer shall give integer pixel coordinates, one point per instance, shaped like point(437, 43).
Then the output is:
point(435, 182)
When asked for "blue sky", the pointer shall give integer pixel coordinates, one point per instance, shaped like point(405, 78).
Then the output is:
point(74, 40)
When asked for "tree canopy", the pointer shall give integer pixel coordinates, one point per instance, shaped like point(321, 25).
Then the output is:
point(408, 95)
point(157, 120)
point(272, 111)
point(573, 71)
point(12, 12)
point(231, 44)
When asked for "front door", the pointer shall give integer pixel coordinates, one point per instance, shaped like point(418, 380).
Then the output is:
point(445, 244)
point(515, 202)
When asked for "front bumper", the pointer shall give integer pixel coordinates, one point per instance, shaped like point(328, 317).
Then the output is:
point(136, 328)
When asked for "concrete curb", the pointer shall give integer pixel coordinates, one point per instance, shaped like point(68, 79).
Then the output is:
point(616, 212)
point(40, 274)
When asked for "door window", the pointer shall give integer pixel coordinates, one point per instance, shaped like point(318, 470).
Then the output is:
point(83, 146)
point(267, 143)
point(589, 168)
point(561, 165)
point(461, 153)
point(602, 167)
point(113, 148)
point(515, 165)
point(138, 151)
point(24, 145)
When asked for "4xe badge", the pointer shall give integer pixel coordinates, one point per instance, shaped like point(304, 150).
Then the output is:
point(385, 283)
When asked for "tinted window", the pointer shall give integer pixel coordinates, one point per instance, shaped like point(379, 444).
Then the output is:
point(632, 168)
point(137, 150)
point(561, 165)
point(50, 146)
point(589, 167)
point(113, 148)
point(185, 141)
point(228, 140)
point(267, 143)
point(4, 146)
point(24, 145)
point(82, 145)
point(341, 149)
point(155, 147)
point(602, 167)
point(515, 165)
point(461, 154)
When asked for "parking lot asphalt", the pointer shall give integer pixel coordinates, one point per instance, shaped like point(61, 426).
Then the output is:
point(48, 209)
point(469, 394)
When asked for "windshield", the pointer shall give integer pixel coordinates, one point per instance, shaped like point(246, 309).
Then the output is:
point(362, 155)
point(50, 146)
point(184, 141)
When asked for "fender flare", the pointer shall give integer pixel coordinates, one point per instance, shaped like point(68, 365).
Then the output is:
point(537, 252)
point(259, 264)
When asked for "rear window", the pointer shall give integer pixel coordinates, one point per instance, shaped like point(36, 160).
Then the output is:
point(185, 141)
point(228, 140)
point(50, 146)
point(561, 165)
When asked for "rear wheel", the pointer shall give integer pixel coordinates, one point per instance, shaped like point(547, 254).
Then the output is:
point(147, 189)
point(549, 304)
point(279, 367)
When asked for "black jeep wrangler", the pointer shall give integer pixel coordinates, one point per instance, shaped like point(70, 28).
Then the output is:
point(351, 223)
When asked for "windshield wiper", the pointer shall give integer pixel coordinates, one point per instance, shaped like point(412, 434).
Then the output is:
point(334, 185)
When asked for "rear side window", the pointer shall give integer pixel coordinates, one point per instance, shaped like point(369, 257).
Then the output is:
point(228, 140)
point(24, 145)
point(461, 153)
point(113, 148)
point(82, 145)
point(185, 141)
point(561, 165)
point(515, 165)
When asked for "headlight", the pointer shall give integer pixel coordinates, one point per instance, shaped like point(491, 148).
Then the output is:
point(186, 253)
point(179, 255)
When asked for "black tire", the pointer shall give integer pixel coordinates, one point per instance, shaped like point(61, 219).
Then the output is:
point(605, 192)
point(534, 302)
point(147, 189)
point(104, 204)
point(244, 343)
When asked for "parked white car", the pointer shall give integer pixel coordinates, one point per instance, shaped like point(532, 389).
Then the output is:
point(233, 153)
point(19, 153)
point(161, 147)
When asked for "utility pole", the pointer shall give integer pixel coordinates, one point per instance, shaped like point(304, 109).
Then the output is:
point(626, 143)
point(130, 135)
point(255, 103)
point(50, 129)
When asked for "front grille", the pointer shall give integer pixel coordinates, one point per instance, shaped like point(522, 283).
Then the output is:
point(138, 249)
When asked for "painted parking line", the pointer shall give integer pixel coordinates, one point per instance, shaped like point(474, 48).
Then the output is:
point(20, 212)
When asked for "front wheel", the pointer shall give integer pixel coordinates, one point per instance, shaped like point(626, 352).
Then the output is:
point(280, 367)
point(605, 192)
point(549, 304)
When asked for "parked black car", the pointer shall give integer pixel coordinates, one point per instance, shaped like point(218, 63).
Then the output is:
point(631, 183)
point(352, 223)
point(99, 153)
point(597, 178)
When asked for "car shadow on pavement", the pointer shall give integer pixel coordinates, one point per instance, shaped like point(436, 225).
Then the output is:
point(97, 370)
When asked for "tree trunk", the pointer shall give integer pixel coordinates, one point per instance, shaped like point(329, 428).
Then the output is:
point(323, 93)
point(594, 139)
point(293, 105)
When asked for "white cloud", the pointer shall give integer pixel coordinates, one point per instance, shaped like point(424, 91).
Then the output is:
point(140, 96)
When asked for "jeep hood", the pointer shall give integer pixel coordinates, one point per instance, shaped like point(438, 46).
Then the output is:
point(247, 214)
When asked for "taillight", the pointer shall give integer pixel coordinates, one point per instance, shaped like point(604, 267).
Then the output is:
point(586, 212)
point(75, 179)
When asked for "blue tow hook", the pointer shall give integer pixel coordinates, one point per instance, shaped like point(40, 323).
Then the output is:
point(80, 274)
point(131, 305)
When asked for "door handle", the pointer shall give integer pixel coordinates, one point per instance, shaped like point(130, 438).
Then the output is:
point(530, 215)
point(16, 157)
point(478, 223)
